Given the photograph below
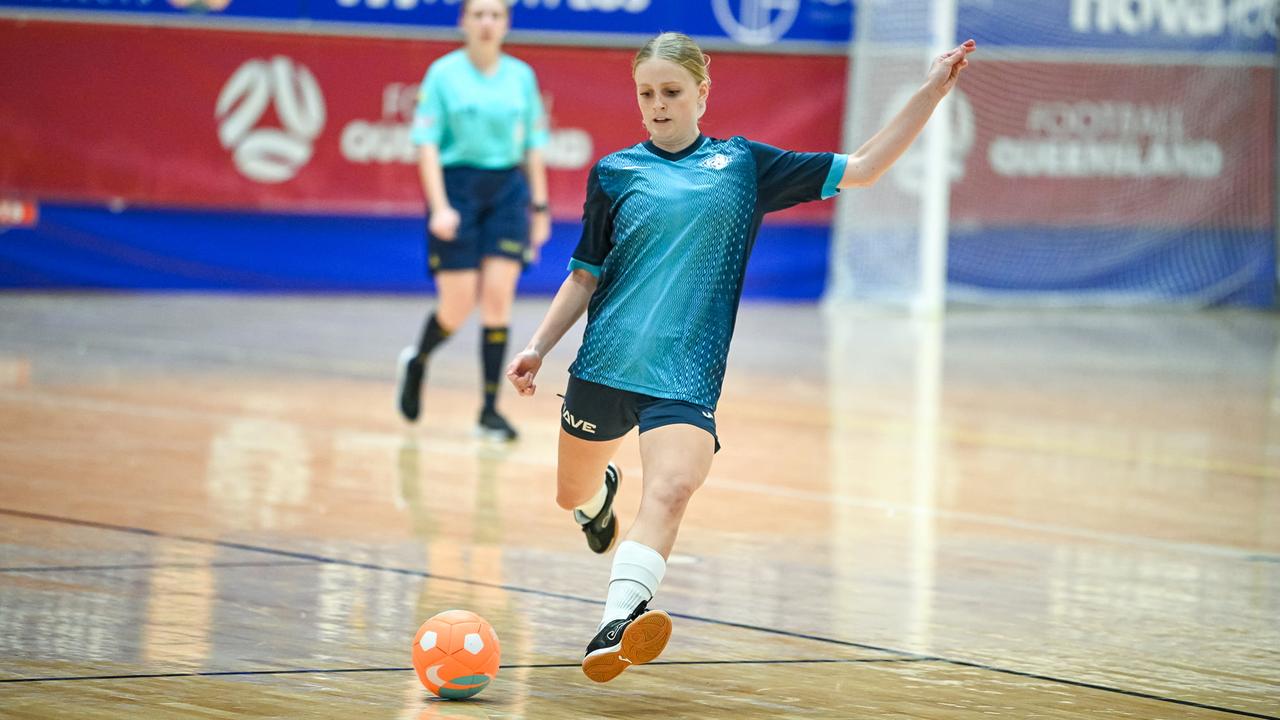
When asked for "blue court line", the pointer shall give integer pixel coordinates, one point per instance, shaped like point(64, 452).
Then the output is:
point(211, 673)
point(424, 574)
point(532, 666)
point(903, 654)
point(151, 566)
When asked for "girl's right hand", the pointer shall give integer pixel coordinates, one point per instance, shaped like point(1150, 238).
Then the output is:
point(444, 223)
point(522, 370)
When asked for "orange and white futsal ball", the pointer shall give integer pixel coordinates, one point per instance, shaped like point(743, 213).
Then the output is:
point(456, 654)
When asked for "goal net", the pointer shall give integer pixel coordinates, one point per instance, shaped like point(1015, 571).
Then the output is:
point(1096, 152)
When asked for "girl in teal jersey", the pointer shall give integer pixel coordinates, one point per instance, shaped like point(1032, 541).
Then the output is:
point(479, 117)
point(667, 228)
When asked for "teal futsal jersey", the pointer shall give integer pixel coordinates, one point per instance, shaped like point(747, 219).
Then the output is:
point(668, 236)
point(478, 120)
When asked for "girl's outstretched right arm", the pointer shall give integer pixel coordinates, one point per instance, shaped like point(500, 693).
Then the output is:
point(569, 304)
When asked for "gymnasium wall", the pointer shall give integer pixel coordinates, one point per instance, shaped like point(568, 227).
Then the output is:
point(263, 146)
point(202, 158)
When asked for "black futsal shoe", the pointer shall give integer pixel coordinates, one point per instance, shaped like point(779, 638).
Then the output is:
point(493, 426)
point(602, 530)
point(410, 372)
point(634, 640)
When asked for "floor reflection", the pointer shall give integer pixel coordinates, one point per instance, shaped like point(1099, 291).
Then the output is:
point(979, 517)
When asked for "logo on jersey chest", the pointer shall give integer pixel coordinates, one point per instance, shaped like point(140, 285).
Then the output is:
point(719, 161)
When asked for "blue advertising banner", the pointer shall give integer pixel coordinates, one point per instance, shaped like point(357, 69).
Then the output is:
point(80, 247)
point(266, 9)
point(749, 22)
point(1237, 26)
point(758, 23)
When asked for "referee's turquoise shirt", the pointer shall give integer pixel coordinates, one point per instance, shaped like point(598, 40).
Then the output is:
point(479, 120)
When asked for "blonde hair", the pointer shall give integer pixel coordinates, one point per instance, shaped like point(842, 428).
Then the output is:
point(680, 49)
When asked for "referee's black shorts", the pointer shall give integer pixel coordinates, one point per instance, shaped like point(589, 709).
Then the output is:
point(493, 210)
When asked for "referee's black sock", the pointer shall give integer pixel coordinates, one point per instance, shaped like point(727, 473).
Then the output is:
point(493, 349)
point(432, 335)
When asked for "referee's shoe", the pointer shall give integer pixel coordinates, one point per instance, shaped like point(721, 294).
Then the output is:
point(492, 426)
point(410, 371)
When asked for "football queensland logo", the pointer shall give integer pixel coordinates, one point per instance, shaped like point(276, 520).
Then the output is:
point(756, 22)
point(262, 152)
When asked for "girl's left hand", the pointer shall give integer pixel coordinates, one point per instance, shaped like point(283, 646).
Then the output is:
point(946, 68)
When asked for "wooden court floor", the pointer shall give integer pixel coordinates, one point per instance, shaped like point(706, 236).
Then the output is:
point(209, 509)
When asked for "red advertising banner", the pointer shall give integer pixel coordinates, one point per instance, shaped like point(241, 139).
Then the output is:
point(1084, 144)
point(288, 122)
point(308, 123)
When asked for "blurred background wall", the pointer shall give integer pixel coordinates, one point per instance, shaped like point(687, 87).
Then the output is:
point(1102, 148)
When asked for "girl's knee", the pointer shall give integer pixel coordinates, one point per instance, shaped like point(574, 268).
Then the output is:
point(496, 308)
point(453, 314)
point(674, 491)
point(572, 492)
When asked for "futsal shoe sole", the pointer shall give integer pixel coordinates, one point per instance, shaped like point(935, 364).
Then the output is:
point(643, 641)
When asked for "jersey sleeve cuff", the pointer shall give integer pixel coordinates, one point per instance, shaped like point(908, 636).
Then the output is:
point(421, 134)
point(831, 187)
point(576, 264)
point(538, 140)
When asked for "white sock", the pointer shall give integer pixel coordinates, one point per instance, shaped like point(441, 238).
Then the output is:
point(591, 508)
point(637, 572)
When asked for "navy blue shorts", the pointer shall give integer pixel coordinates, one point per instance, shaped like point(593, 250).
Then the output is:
point(592, 411)
point(493, 210)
